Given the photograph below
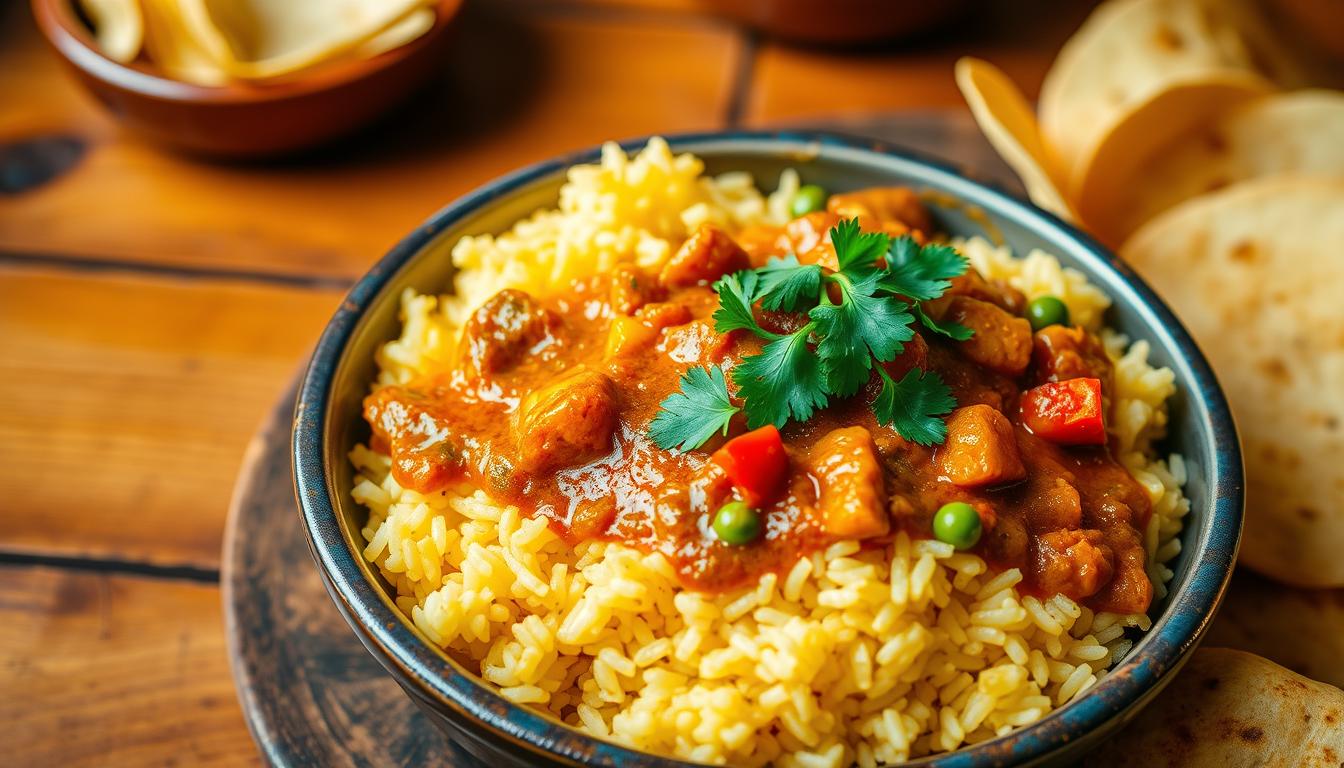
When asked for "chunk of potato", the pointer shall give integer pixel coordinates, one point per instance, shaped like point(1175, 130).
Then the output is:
point(980, 449)
point(1061, 353)
point(710, 253)
point(852, 495)
point(567, 422)
point(629, 335)
point(1076, 564)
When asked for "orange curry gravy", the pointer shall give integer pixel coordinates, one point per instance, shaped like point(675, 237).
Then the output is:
point(548, 403)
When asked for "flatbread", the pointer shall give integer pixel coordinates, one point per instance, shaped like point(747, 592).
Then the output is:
point(1230, 708)
point(1006, 119)
point(1161, 65)
point(1256, 273)
point(1277, 134)
point(1301, 629)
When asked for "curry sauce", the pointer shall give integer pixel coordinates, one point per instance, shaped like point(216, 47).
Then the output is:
point(548, 403)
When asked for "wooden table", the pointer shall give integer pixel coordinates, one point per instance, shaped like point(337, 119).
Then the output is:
point(153, 307)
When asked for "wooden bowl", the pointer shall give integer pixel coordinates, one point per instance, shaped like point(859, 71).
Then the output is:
point(246, 119)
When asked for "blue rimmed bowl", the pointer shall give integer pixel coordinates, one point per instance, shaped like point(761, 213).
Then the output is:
point(327, 423)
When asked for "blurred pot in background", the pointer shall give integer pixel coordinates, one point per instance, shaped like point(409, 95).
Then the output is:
point(838, 21)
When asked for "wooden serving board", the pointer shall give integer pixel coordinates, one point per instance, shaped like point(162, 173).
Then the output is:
point(310, 692)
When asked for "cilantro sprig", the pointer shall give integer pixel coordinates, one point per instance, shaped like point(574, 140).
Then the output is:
point(879, 284)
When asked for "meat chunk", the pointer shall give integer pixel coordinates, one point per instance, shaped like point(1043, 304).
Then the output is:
point(708, 255)
point(851, 495)
point(881, 207)
point(1001, 342)
point(632, 289)
point(427, 451)
point(567, 422)
point(1000, 294)
point(506, 329)
point(980, 449)
point(1053, 503)
point(1129, 589)
point(1060, 353)
point(1076, 564)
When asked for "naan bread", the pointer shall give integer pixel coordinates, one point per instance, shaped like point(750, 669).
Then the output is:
point(1256, 272)
point(1285, 133)
point(1230, 708)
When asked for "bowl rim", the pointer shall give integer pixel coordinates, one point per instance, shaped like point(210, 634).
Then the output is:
point(444, 684)
point(75, 43)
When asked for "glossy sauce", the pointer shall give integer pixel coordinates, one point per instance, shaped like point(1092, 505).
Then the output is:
point(473, 425)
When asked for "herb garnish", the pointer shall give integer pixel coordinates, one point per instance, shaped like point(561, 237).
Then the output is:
point(880, 282)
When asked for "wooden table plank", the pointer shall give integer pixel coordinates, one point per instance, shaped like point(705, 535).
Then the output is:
point(100, 669)
point(556, 82)
point(791, 83)
point(126, 402)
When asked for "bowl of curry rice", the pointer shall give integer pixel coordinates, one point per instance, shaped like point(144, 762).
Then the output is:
point(765, 449)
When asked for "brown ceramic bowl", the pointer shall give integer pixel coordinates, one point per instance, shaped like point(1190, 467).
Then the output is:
point(245, 119)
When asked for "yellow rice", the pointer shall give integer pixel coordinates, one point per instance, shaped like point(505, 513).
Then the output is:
point(851, 656)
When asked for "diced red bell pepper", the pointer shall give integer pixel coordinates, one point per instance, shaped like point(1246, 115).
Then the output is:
point(756, 463)
point(1066, 412)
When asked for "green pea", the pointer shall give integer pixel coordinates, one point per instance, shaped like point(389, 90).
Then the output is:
point(1046, 310)
point(957, 523)
point(736, 523)
point(807, 199)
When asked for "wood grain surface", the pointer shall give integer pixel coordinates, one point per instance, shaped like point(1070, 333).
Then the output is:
point(125, 403)
point(153, 307)
point(106, 669)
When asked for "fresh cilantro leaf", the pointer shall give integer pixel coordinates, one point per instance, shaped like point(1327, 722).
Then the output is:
point(692, 415)
point(914, 406)
point(736, 294)
point(854, 248)
point(784, 381)
point(881, 283)
point(921, 272)
point(861, 327)
point(949, 329)
point(787, 285)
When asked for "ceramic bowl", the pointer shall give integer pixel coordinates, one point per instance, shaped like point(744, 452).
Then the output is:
point(327, 423)
point(244, 120)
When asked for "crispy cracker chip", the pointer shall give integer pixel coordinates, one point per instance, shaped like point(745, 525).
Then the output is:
point(1006, 119)
point(1136, 74)
point(174, 49)
point(118, 26)
point(399, 34)
point(257, 39)
point(1230, 708)
point(1255, 272)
